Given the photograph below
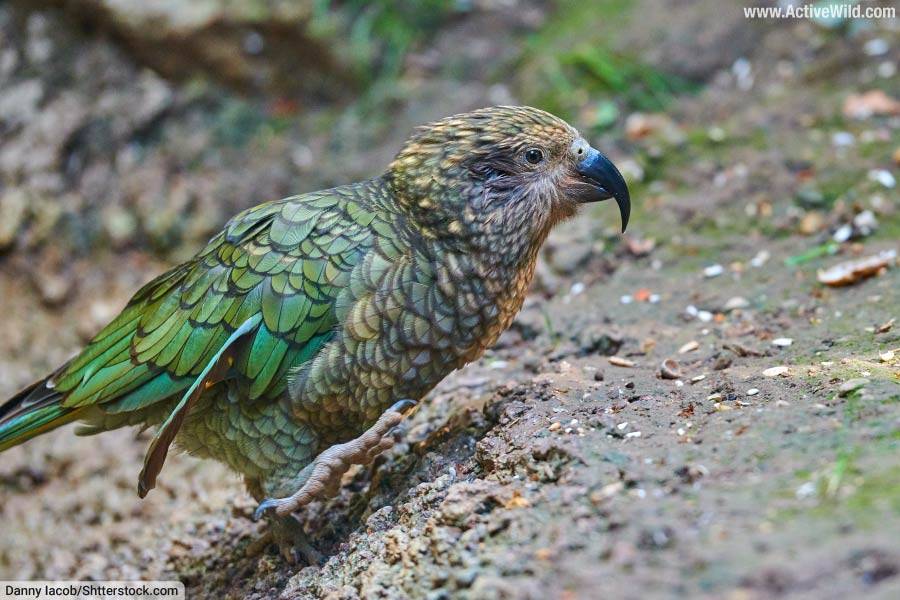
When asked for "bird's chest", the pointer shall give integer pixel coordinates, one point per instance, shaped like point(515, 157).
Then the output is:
point(480, 296)
point(410, 321)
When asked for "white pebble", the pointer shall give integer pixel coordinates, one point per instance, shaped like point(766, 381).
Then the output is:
point(865, 222)
point(782, 342)
point(713, 271)
point(752, 392)
point(883, 177)
point(843, 138)
point(806, 490)
point(876, 47)
point(735, 303)
point(761, 258)
point(843, 233)
point(777, 371)
point(689, 347)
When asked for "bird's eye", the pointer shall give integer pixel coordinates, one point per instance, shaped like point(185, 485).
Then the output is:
point(534, 156)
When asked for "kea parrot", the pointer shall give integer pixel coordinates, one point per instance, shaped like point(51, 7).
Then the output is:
point(293, 343)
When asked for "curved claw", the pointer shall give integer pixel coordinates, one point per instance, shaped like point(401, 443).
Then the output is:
point(265, 505)
point(401, 406)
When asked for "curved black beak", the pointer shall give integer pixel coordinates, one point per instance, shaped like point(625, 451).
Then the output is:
point(605, 182)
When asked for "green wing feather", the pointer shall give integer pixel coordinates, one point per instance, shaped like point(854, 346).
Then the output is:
point(279, 265)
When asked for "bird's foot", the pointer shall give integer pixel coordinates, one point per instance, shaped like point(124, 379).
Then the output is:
point(329, 467)
point(292, 542)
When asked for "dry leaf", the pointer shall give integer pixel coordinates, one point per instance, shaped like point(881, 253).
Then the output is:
point(853, 271)
point(875, 102)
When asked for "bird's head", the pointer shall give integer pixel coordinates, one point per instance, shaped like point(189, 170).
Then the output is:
point(510, 170)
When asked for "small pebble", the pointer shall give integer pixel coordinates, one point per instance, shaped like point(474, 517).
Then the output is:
point(843, 233)
point(713, 271)
point(851, 385)
point(543, 554)
point(843, 138)
point(555, 426)
point(806, 490)
point(887, 356)
point(752, 392)
point(780, 371)
point(736, 303)
point(716, 134)
point(865, 222)
point(883, 177)
point(761, 258)
point(620, 362)
point(698, 378)
point(606, 492)
point(633, 434)
point(689, 347)
point(876, 47)
point(782, 342)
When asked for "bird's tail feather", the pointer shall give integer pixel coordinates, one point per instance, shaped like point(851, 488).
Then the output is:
point(31, 412)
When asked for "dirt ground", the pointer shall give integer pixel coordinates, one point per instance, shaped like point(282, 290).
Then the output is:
point(562, 464)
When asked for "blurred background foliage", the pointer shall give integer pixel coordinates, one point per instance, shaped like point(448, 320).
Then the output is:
point(145, 124)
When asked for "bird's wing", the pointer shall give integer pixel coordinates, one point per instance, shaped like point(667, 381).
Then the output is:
point(277, 267)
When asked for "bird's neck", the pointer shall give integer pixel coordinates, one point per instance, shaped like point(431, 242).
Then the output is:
point(501, 243)
point(501, 266)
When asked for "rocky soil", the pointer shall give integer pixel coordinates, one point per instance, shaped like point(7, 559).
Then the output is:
point(761, 460)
